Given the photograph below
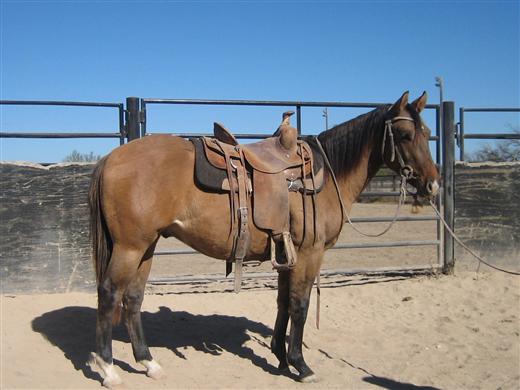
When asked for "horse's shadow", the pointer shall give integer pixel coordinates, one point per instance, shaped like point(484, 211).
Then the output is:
point(72, 329)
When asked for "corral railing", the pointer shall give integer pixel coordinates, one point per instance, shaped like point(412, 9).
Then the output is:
point(120, 134)
point(462, 135)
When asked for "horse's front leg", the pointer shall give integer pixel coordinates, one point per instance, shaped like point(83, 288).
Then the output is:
point(299, 295)
point(282, 319)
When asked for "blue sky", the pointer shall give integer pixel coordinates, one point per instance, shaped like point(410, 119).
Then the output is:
point(352, 51)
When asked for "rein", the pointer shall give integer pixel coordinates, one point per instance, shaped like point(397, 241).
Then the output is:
point(406, 172)
point(466, 247)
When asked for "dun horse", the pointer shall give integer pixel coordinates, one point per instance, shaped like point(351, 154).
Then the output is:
point(146, 189)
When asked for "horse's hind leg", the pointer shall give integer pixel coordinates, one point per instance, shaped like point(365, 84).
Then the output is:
point(132, 301)
point(282, 319)
point(120, 272)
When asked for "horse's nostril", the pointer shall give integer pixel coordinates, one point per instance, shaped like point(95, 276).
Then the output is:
point(432, 187)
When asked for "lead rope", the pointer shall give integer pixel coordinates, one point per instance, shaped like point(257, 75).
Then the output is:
point(466, 248)
point(344, 213)
point(345, 216)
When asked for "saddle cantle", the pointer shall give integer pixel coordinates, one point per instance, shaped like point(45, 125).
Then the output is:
point(259, 174)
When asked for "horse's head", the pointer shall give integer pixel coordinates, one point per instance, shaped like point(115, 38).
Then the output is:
point(405, 146)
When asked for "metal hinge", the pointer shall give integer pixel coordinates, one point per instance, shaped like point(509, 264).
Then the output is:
point(141, 116)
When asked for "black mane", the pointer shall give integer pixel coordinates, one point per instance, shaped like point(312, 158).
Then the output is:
point(345, 143)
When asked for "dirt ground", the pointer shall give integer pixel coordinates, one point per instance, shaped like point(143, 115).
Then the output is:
point(449, 332)
point(446, 332)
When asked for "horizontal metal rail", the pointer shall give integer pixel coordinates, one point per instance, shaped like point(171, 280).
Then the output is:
point(58, 135)
point(58, 103)
point(237, 135)
point(491, 136)
point(490, 109)
point(185, 279)
point(273, 103)
point(121, 120)
point(195, 135)
point(411, 218)
point(360, 245)
point(389, 244)
point(380, 193)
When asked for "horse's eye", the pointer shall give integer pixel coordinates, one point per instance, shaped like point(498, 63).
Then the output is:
point(406, 136)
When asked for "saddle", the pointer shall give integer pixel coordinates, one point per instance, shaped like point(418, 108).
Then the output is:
point(259, 176)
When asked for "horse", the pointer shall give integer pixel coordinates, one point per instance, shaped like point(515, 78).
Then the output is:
point(145, 189)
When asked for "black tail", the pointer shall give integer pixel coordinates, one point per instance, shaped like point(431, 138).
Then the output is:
point(99, 235)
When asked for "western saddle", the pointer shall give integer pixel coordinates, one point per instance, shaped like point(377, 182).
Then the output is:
point(259, 176)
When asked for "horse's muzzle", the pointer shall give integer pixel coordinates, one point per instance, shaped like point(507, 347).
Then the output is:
point(432, 187)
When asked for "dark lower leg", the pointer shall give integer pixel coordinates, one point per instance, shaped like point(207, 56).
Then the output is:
point(132, 301)
point(298, 307)
point(107, 301)
point(132, 305)
point(282, 319)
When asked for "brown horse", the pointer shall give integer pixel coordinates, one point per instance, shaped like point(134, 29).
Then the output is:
point(145, 189)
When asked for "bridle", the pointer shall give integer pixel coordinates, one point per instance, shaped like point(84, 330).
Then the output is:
point(405, 170)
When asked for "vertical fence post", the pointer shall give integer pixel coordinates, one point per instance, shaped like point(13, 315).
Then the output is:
point(133, 130)
point(461, 133)
point(448, 166)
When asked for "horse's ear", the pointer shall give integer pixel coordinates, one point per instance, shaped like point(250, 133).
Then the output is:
point(399, 105)
point(420, 102)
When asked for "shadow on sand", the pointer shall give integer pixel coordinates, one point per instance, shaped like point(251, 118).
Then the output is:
point(72, 329)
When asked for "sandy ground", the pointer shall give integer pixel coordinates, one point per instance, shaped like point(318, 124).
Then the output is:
point(449, 332)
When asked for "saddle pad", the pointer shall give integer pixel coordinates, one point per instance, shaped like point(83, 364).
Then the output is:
point(318, 162)
point(207, 176)
point(270, 201)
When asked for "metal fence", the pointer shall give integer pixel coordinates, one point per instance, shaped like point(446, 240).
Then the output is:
point(461, 134)
point(133, 125)
point(121, 133)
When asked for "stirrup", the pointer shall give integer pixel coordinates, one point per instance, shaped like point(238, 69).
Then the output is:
point(289, 251)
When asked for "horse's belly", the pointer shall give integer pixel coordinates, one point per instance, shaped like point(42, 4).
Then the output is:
point(206, 227)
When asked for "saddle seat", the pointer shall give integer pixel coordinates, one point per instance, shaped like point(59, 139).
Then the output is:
point(271, 155)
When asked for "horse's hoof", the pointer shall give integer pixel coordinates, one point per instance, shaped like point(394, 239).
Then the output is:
point(284, 370)
point(113, 381)
point(153, 369)
point(111, 378)
point(312, 378)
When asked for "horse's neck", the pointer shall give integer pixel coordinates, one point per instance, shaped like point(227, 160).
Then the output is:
point(352, 184)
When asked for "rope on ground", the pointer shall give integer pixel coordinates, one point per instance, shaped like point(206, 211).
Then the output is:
point(468, 249)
